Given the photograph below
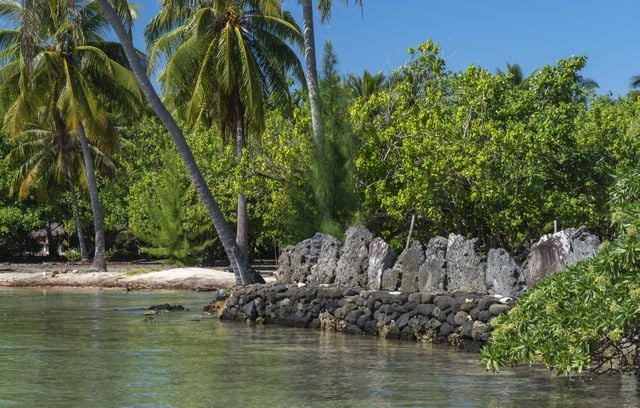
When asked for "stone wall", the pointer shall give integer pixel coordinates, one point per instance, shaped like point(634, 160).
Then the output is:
point(443, 265)
point(461, 319)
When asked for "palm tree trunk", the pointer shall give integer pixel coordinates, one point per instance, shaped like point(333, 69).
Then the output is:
point(99, 258)
point(312, 70)
point(84, 254)
point(237, 257)
point(242, 224)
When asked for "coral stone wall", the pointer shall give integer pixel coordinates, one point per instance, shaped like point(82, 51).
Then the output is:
point(460, 319)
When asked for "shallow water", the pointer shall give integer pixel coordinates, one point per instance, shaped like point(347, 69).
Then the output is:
point(93, 349)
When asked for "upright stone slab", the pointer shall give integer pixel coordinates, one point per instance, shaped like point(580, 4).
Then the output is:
point(432, 276)
point(554, 252)
point(409, 262)
point(353, 264)
point(381, 257)
point(504, 276)
point(390, 279)
point(324, 271)
point(297, 262)
point(466, 272)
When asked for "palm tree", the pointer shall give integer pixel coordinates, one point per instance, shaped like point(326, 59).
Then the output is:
point(515, 75)
point(239, 52)
point(366, 85)
point(61, 64)
point(49, 156)
point(325, 7)
point(237, 258)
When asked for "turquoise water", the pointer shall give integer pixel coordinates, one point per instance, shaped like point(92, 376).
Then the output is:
point(93, 349)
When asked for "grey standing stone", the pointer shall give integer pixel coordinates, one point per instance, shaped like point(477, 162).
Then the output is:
point(353, 264)
point(381, 257)
point(504, 276)
point(297, 262)
point(324, 271)
point(432, 276)
point(466, 272)
point(554, 252)
point(390, 280)
point(409, 263)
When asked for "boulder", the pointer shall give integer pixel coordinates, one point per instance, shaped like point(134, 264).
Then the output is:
point(466, 272)
point(381, 257)
point(432, 275)
point(390, 280)
point(504, 276)
point(296, 261)
point(409, 263)
point(554, 252)
point(324, 271)
point(353, 264)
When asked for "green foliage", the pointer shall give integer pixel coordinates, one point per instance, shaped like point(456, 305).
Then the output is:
point(565, 319)
point(166, 217)
point(332, 170)
point(479, 154)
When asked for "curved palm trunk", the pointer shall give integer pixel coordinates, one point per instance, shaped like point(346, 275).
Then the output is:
point(84, 254)
point(237, 257)
point(99, 258)
point(312, 70)
point(242, 226)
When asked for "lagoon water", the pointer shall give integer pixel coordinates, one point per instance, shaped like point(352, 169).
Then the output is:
point(93, 349)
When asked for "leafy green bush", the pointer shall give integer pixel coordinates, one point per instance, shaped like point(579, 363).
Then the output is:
point(575, 320)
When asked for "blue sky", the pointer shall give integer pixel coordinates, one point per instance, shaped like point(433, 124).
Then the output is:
point(488, 33)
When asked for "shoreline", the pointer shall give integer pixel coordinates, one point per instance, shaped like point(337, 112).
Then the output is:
point(122, 276)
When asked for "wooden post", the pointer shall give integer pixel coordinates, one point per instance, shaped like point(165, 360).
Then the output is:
point(413, 221)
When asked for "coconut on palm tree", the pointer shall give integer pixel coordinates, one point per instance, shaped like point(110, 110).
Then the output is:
point(55, 59)
point(224, 59)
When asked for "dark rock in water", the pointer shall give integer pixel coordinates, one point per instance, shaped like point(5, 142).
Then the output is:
point(166, 308)
point(221, 294)
point(432, 276)
point(465, 330)
point(504, 276)
point(446, 329)
point(390, 279)
point(466, 272)
point(381, 257)
point(353, 264)
point(409, 263)
point(403, 320)
point(296, 262)
point(554, 252)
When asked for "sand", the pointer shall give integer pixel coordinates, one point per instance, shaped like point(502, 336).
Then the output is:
point(125, 276)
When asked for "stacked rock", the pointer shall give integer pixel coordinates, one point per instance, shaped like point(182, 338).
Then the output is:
point(459, 319)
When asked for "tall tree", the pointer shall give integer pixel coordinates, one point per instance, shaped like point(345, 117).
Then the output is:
point(62, 64)
point(239, 52)
point(237, 258)
point(325, 7)
point(366, 85)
